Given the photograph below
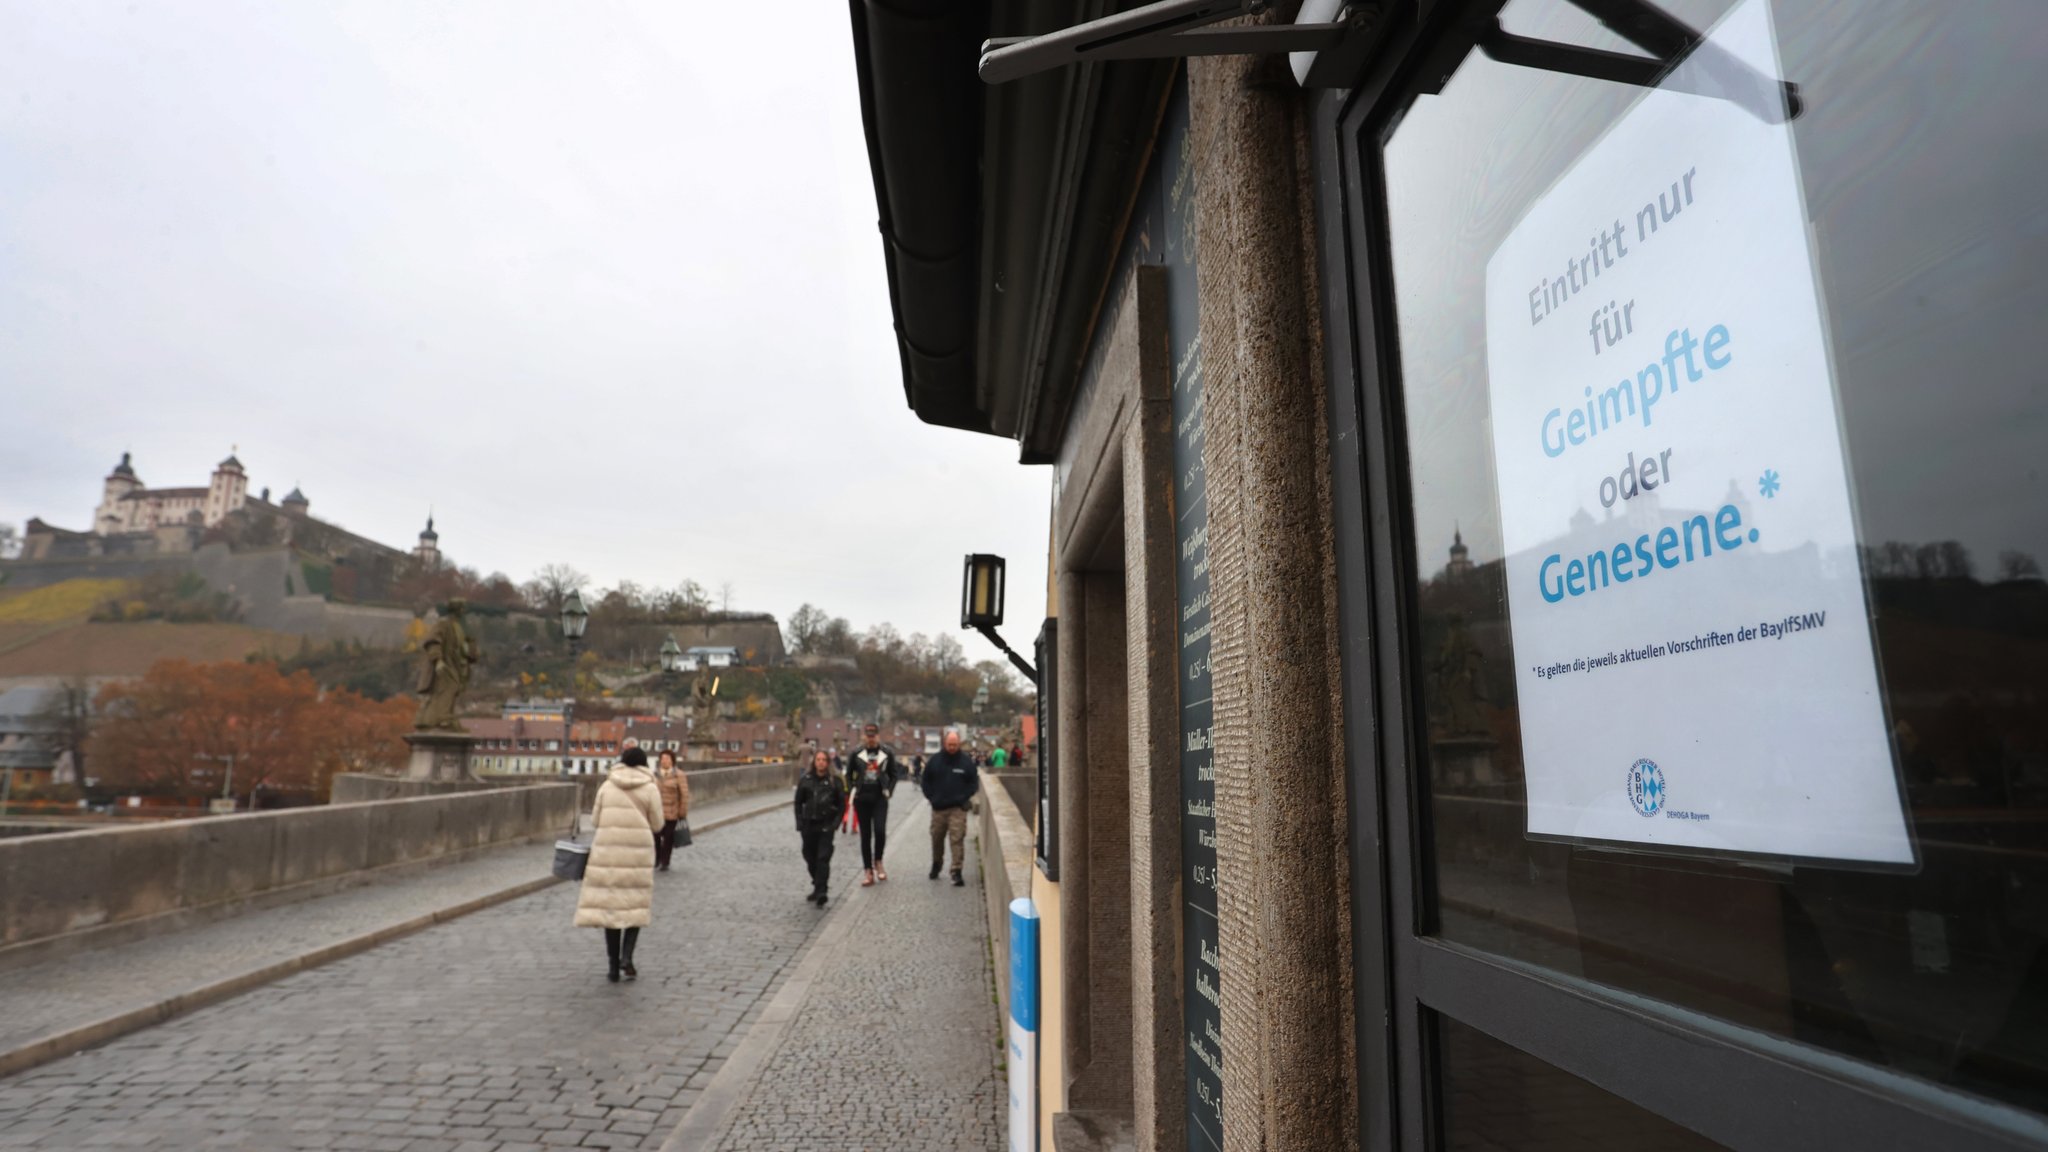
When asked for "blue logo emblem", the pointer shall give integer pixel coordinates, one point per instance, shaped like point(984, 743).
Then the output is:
point(1646, 787)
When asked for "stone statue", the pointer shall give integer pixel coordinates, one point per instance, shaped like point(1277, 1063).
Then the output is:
point(446, 658)
point(794, 748)
point(703, 714)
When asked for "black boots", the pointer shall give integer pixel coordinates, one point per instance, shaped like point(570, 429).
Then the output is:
point(935, 869)
point(618, 948)
point(957, 881)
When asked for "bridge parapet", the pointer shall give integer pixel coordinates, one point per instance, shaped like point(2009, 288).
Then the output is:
point(62, 886)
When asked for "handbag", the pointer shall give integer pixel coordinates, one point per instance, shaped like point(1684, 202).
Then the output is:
point(683, 833)
point(571, 858)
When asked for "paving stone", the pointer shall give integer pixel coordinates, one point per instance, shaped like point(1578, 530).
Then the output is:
point(897, 1045)
point(509, 1004)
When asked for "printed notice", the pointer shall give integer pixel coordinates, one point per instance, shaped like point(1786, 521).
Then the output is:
point(1694, 657)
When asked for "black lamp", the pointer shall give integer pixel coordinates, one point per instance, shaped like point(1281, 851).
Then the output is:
point(981, 592)
point(981, 605)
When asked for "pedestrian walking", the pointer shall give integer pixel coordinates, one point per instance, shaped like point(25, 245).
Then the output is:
point(872, 780)
point(998, 759)
point(618, 883)
point(675, 806)
point(820, 802)
point(917, 769)
point(950, 782)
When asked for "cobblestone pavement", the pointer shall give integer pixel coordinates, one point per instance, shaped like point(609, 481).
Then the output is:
point(494, 1031)
point(71, 990)
point(898, 1046)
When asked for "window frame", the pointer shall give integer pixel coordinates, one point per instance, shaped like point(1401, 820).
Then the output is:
point(1743, 1088)
point(1046, 840)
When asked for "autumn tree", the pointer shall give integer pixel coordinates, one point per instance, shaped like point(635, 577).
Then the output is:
point(805, 626)
point(551, 586)
point(176, 730)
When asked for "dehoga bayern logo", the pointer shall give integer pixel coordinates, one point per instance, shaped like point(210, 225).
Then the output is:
point(1646, 787)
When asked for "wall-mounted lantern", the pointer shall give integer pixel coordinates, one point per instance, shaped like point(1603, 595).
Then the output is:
point(981, 605)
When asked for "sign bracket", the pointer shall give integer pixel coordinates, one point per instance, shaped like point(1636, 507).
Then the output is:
point(1669, 42)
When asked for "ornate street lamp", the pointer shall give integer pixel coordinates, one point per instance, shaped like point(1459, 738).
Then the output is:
point(671, 656)
point(981, 605)
point(575, 619)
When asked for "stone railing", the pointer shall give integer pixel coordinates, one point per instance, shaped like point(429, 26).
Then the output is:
point(120, 879)
point(712, 784)
point(362, 787)
point(1006, 847)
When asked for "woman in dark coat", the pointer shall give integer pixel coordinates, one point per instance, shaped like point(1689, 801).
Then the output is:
point(820, 804)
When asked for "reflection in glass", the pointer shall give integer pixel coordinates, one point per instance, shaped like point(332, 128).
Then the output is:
point(1918, 131)
point(1500, 1099)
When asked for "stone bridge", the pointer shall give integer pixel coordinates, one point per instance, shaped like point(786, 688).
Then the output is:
point(401, 973)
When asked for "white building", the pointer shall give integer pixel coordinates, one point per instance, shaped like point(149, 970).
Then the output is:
point(126, 505)
point(708, 657)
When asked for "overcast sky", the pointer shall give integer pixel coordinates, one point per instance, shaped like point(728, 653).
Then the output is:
point(600, 283)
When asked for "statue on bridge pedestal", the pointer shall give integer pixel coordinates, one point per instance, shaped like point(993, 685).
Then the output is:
point(703, 738)
point(446, 658)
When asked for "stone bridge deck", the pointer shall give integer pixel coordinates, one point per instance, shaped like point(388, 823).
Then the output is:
point(497, 1030)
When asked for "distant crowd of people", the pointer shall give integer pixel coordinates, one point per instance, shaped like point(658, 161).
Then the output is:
point(641, 815)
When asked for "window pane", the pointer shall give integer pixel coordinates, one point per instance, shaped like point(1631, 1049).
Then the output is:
point(1916, 226)
point(1498, 1098)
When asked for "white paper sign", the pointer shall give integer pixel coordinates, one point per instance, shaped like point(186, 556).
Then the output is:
point(1693, 648)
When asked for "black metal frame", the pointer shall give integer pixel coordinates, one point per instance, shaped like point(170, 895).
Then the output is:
point(1740, 1087)
point(1047, 840)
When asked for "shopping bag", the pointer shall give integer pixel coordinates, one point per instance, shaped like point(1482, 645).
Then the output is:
point(571, 858)
point(682, 833)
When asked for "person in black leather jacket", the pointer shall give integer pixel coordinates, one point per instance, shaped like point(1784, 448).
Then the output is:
point(820, 802)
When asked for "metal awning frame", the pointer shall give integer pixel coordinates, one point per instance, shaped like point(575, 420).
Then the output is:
point(1173, 28)
point(1168, 28)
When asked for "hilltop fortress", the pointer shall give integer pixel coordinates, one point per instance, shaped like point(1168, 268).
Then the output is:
point(134, 520)
point(288, 571)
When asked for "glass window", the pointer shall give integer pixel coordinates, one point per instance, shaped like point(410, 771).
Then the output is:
point(1497, 1098)
point(1916, 160)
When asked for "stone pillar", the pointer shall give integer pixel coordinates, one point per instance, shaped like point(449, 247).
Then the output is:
point(1158, 1050)
point(1282, 868)
point(439, 756)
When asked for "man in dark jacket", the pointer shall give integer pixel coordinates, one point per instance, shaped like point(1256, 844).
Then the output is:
point(871, 777)
point(820, 800)
point(950, 782)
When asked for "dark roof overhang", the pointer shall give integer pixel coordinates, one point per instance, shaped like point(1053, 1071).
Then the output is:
point(1002, 208)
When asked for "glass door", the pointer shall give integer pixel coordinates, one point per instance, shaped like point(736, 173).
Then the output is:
point(1693, 531)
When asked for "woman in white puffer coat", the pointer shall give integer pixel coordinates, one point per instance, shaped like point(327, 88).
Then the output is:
point(618, 883)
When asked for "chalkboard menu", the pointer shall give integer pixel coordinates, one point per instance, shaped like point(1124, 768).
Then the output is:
point(1201, 967)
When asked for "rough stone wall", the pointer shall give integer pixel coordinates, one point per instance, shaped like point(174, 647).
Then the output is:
point(1158, 1061)
point(1103, 1080)
point(1283, 879)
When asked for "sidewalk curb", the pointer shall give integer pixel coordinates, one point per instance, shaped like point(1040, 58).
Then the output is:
point(68, 1041)
point(711, 1116)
